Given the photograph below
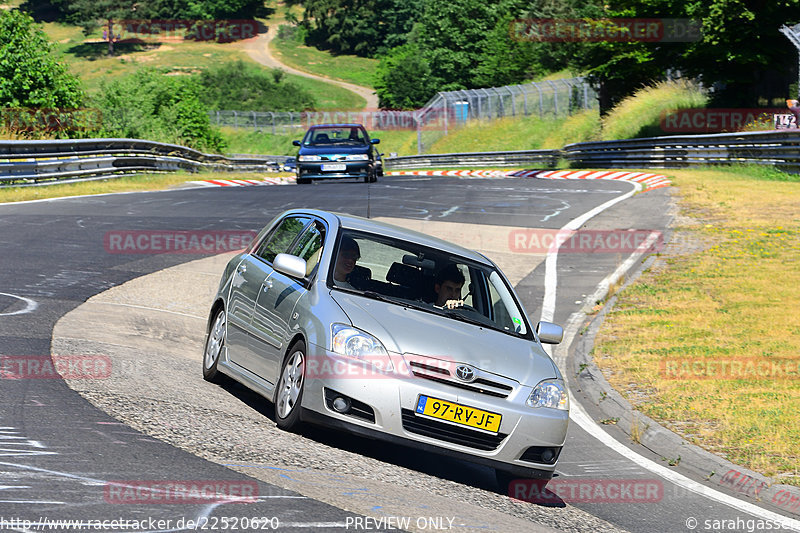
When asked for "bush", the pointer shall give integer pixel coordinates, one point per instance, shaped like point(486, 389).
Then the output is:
point(639, 115)
point(240, 87)
point(30, 77)
point(154, 106)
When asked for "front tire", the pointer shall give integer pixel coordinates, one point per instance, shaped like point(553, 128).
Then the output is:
point(215, 342)
point(289, 393)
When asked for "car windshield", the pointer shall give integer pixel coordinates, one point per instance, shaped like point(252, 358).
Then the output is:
point(338, 135)
point(412, 275)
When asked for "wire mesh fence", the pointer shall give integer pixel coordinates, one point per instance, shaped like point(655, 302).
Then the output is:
point(443, 113)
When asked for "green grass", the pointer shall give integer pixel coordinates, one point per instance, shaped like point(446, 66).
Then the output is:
point(241, 141)
point(518, 133)
point(733, 300)
point(328, 96)
point(639, 115)
point(352, 69)
point(87, 58)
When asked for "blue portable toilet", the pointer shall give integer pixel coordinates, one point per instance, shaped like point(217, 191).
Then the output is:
point(462, 110)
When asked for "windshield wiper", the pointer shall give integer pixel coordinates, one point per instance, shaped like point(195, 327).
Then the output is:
point(450, 313)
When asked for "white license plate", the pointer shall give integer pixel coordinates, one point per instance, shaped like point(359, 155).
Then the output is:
point(333, 167)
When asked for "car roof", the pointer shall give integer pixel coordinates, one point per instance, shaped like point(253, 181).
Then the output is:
point(390, 230)
point(368, 225)
point(343, 125)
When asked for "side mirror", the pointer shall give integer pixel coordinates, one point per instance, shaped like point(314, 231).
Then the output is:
point(291, 265)
point(375, 141)
point(549, 333)
point(296, 143)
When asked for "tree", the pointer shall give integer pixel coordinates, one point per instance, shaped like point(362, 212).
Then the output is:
point(86, 13)
point(30, 76)
point(742, 53)
point(360, 27)
point(403, 79)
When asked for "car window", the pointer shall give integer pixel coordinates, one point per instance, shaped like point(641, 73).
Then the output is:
point(336, 135)
point(410, 274)
point(281, 238)
point(309, 247)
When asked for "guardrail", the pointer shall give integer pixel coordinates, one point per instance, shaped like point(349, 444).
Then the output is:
point(42, 161)
point(777, 148)
point(547, 158)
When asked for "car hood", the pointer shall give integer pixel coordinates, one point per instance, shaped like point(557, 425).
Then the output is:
point(344, 149)
point(406, 330)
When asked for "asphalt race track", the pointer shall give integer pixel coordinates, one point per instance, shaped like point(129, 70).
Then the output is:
point(62, 458)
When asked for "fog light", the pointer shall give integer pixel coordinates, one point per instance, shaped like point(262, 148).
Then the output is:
point(341, 405)
point(548, 455)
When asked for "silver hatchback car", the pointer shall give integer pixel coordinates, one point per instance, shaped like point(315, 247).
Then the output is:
point(390, 334)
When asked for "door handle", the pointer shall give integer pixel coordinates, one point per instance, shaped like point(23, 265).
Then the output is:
point(242, 268)
point(267, 284)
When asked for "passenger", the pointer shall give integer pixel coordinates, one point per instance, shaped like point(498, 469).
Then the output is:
point(449, 282)
point(349, 253)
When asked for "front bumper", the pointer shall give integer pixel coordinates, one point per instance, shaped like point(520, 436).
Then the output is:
point(384, 408)
point(314, 170)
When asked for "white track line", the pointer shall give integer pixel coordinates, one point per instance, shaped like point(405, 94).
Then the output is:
point(579, 416)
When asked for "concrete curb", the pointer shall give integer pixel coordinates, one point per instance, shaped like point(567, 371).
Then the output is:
point(590, 382)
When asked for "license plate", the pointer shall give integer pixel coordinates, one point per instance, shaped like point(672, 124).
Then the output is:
point(334, 166)
point(459, 414)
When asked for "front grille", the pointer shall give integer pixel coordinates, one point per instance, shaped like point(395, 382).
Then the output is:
point(441, 372)
point(450, 433)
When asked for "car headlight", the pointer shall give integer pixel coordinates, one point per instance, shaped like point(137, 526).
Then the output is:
point(549, 393)
point(353, 342)
point(357, 157)
point(309, 158)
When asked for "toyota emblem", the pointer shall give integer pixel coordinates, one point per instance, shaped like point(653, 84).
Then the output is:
point(465, 373)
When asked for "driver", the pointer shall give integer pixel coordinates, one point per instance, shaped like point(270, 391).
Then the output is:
point(449, 282)
point(349, 253)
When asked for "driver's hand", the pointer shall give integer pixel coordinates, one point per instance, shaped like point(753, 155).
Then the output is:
point(452, 304)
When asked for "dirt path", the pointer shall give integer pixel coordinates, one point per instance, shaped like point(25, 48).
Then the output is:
point(258, 49)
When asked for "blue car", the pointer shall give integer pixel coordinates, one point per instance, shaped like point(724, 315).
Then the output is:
point(331, 151)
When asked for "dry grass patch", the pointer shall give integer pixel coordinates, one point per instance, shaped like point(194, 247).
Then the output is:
point(724, 293)
point(139, 182)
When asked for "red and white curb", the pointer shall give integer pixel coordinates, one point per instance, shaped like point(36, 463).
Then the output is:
point(649, 181)
point(461, 173)
point(245, 183)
